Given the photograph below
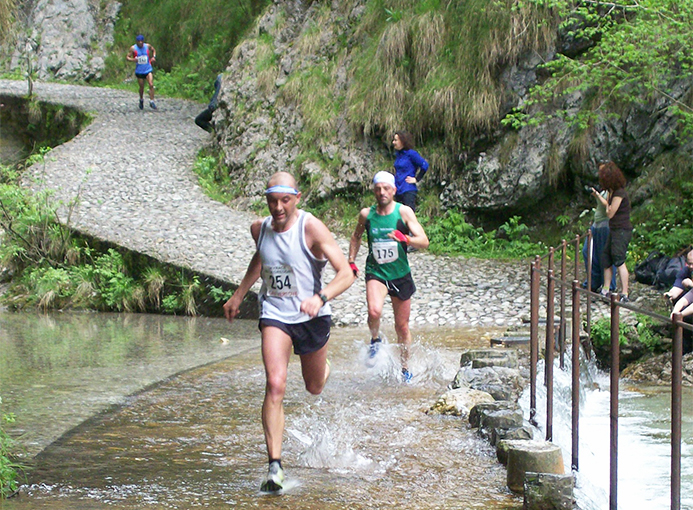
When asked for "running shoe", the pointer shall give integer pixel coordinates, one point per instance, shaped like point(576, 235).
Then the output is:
point(373, 348)
point(141, 104)
point(275, 478)
point(152, 104)
point(624, 298)
point(406, 376)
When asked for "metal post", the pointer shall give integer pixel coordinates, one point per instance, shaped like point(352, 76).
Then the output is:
point(590, 248)
point(576, 376)
point(615, 354)
point(564, 279)
point(548, 356)
point(676, 376)
point(588, 311)
point(550, 306)
point(577, 255)
point(534, 337)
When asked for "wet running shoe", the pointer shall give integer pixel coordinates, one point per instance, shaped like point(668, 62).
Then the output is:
point(406, 376)
point(152, 104)
point(373, 348)
point(275, 479)
point(141, 104)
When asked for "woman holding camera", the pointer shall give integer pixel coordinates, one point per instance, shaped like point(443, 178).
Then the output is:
point(617, 206)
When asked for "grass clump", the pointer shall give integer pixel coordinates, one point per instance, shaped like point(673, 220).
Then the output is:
point(452, 234)
point(430, 67)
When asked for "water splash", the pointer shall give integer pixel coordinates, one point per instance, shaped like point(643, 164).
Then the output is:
point(644, 449)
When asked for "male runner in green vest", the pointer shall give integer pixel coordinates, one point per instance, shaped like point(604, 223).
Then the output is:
point(391, 228)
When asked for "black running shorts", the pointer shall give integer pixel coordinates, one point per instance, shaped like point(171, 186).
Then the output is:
point(401, 288)
point(307, 337)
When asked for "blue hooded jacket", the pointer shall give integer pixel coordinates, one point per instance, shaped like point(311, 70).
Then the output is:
point(406, 164)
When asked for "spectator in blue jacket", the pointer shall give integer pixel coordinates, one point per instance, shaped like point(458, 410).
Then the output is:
point(410, 168)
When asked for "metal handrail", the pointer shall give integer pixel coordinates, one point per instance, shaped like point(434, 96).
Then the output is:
point(677, 350)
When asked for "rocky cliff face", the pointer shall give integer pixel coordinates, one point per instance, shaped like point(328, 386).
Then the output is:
point(66, 39)
point(260, 131)
point(262, 125)
point(260, 128)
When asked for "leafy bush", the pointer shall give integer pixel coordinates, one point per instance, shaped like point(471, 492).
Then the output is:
point(54, 269)
point(9, 469)
point(451, 234)
point(664, 224)
point(642, 331)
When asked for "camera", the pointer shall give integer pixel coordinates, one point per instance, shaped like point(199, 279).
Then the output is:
point(588, 188)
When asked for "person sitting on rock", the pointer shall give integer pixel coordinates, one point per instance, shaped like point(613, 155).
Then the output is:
point(683, 282)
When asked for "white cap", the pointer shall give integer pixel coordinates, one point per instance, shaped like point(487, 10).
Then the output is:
point(385, 178)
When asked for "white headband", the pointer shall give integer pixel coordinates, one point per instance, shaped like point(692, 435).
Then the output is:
point(280, 188)
point(385, 178)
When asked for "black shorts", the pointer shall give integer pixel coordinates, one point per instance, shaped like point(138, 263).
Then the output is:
point(407, 198)
point(616, 247)
point(141, 76)
point(307, 337)
point(401, 288)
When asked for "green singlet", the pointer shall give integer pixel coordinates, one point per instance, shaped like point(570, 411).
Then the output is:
point(387, 258)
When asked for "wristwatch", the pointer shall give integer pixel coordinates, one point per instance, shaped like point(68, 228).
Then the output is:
point(323, 297)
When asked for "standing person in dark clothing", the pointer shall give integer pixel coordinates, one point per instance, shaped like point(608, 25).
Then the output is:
point(204, 119)
point(144, 55)
point(410, 168)
point(617, 206)
point(600, 232)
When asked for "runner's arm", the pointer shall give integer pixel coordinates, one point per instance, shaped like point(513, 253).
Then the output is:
point(417, 236)
point(319, 239)
point(355, 241)
point(233, 305)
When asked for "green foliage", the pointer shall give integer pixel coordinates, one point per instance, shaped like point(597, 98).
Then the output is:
point(639, 49)
point(194, 41)
point(9, 468)
point(451, 234)
point(641, 332)
point(601, 332)
point(563, 220)
point(214, 178)
point(54, 268)
point(664, 224)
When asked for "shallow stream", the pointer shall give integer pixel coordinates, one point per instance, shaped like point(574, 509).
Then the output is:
point(195, 439)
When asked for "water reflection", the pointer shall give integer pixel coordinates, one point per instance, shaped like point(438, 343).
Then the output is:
point(58, 370)
point(195, 440)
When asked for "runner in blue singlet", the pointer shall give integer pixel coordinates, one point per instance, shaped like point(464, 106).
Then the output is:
point(143, 54)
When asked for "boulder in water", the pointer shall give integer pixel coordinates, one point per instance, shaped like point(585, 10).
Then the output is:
point(459, 401)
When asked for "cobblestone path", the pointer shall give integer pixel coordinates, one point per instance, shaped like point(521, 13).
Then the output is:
point(132, 172)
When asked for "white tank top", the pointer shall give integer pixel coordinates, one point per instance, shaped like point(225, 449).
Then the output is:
point(290, 272)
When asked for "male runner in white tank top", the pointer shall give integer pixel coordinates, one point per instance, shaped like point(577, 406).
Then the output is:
point(292, 249)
